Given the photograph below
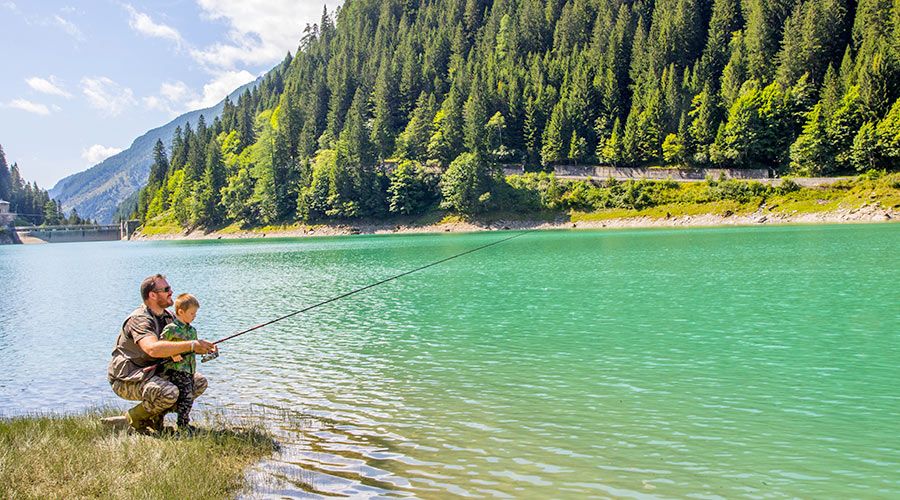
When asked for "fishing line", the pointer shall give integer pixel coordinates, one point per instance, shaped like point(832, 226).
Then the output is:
point(373, 285)
point(214, 355)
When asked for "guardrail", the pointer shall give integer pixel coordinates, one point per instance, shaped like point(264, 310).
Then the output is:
point(74, 227)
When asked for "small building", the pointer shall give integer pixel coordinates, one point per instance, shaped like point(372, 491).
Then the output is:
point(5, 216)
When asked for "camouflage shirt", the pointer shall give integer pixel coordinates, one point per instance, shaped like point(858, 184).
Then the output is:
point(178, 331)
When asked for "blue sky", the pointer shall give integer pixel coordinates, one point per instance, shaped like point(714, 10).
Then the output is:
point(81, 80)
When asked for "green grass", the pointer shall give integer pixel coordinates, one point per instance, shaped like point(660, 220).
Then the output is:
point(161, 225)
point(77, 457)
point(736, 198)
point(722, 207)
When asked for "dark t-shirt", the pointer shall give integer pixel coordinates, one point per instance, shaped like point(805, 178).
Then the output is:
point(127, 357)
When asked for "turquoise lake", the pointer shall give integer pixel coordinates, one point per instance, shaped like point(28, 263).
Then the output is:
point(755, 362)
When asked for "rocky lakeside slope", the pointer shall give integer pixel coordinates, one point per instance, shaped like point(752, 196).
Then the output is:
point(8, 235)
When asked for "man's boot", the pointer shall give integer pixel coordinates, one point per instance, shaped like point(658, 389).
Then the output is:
point(118, 422)
point(140, 419)
point(157, 422)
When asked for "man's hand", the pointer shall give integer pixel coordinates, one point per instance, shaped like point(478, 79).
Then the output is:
point(204, 347)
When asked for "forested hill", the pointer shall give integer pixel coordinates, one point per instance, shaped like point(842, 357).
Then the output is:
point(96, 192)
point(450, 89)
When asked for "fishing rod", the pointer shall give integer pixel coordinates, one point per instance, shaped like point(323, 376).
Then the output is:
point(213, 355)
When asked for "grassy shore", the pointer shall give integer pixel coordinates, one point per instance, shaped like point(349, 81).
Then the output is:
point(77, 457)
point(550, 203)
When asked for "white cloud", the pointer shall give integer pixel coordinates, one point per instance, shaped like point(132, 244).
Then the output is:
point(51, 86)
point(107, 95)
point(261, 31)
point(9, 5)
point(26, 105)
point(172, 98)
point(221, 86)
point(69, 27)
point(97, 153)
point(143, 24)
point(176, 92)
point(175, 98)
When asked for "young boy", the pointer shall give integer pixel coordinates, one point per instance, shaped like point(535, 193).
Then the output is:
point(180, 369)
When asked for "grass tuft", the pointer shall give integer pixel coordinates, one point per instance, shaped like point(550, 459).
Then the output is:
point(76, 456)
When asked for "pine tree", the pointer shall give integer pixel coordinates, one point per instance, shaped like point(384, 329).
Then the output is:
point(5, 178)
point(384, 127)
point(446, 141)
point(726, 19)
point(813, 37)
point(577, 148)
point(210, 212)
point(552, 141)
point(611, 150)
point(765, 19)
point(735, 73)
point(160, 166)
point(412, 143)
point(356, 134)
point(812, 154)
point(476, 117)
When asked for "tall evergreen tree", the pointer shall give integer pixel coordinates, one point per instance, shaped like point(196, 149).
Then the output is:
point(5, 178)
point(210, 211)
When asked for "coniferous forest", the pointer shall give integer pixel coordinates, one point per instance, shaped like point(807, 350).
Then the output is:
point(445, 91)
point(30, 201)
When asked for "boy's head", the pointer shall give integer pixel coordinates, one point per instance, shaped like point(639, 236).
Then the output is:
point(186, 306)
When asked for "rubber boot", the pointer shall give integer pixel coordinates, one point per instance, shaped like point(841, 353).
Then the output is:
point(157, 422)
point(140, 419)
point(118, 422)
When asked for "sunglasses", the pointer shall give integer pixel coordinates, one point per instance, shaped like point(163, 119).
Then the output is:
point(165, 290)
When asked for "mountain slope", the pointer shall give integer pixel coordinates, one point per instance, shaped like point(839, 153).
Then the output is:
point(96, 192)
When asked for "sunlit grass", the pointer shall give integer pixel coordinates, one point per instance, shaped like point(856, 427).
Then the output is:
point(75, 456)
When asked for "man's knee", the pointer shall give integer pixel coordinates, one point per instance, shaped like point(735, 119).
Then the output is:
point(159, 395)
point(200, 384)
point(131, 391)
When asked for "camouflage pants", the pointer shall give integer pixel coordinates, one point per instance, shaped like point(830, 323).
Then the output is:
point(184, 381)
point(157, 394)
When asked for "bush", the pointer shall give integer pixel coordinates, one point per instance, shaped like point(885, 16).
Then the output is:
point(740, 191)
point(412, 189)
point(466, 185)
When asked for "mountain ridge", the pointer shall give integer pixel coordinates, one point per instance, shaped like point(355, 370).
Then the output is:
point(96, 192)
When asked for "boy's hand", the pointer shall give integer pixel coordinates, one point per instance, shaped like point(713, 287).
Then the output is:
point(176, 358)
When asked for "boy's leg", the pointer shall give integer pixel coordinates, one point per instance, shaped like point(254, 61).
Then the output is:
point(185, 383)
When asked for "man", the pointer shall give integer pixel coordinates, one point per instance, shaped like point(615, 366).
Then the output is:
point(137, 347)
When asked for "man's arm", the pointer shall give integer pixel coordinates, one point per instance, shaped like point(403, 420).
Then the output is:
point(167, 348)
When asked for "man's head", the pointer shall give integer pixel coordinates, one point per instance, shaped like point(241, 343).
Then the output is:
point(156, 292)
point(186, 306)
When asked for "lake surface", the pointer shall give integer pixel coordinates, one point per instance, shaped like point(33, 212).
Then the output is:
point(702, 363)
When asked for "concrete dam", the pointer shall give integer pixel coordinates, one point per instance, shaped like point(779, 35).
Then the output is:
point(71, 234)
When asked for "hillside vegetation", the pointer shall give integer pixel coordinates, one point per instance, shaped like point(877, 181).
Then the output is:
point(398, 106)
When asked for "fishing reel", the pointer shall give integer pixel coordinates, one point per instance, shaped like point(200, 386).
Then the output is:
point(209, 356)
